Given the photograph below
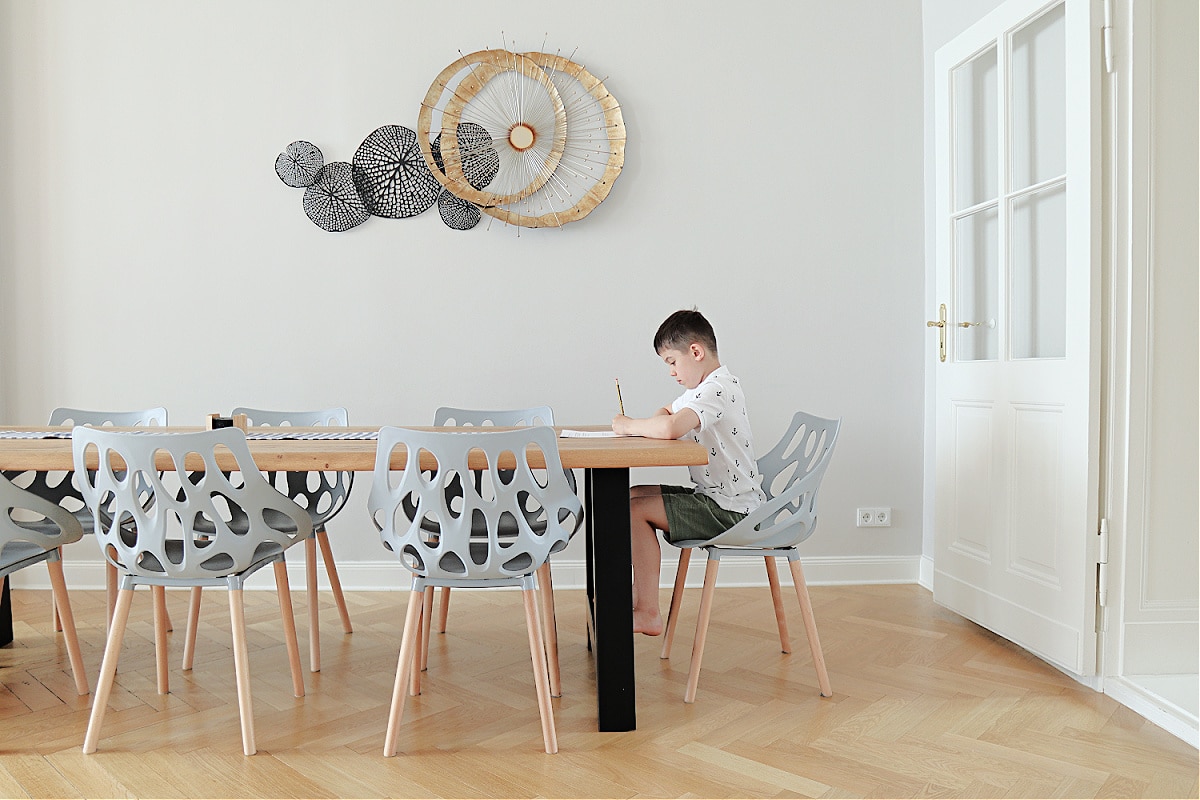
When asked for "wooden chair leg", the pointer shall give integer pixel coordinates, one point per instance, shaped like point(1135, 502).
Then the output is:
point(55, 619)
point(777, 598)
point(685, 556)
point(193, 623)
point(335, 582)
point(160, 638)
point(110, 586)
point(108, 668)
point(408, 640)
point(426, 627)
point(443, 609)
point(710, 583)
point(284, 589)
point(63, 605)
point(540, 678)
point(414, 680)
point(549, 628)
point(314, 613)
point(241, 668)
point(810, 627)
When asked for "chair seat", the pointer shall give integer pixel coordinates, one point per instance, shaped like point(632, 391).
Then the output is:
point(17, 555)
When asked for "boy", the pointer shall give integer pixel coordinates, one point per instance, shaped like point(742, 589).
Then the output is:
point(712, 411)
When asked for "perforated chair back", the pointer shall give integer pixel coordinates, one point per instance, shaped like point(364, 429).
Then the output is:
point(324, 494)
point(524, 513)
point(115, 419)
point(508, 417)
point(31, 526)
point(791, 475)
point(158, 537)
point(58, 487)
point(512, 417)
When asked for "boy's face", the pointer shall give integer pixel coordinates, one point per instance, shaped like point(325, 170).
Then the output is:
point(685, 365)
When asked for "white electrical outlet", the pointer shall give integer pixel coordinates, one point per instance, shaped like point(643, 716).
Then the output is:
point(874, 517)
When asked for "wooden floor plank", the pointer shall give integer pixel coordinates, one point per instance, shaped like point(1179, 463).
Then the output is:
point(925, 704)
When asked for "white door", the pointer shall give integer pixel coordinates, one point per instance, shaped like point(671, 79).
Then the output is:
point(1017, 398)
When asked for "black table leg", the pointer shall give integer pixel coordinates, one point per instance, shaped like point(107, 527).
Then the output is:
point(6, 630)
point(610, 578)
point(589, 545)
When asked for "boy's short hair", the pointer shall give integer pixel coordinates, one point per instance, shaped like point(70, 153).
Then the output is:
point(682, 328)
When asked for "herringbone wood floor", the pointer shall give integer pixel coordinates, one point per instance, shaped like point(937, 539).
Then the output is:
point(925, 704)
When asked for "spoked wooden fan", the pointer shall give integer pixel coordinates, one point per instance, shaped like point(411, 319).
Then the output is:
point(555, 130)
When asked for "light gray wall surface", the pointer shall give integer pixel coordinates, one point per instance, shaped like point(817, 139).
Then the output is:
point(773, 178)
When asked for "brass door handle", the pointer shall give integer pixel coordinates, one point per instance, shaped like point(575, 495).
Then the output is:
point(940, 324)
point(991, 323)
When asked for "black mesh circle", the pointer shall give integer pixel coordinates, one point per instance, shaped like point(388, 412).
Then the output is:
point(299, 164)
point(332, 201)
point(459, 214)
point(391, 174)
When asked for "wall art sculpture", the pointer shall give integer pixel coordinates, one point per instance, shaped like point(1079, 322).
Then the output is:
point(531, 139)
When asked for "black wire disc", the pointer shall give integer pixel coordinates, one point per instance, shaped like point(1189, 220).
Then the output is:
point(391, 174)
point(459, 214)
point(299, 164)
point(332, 201)
point(480, 161)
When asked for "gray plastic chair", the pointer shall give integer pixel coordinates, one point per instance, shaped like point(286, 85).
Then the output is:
point(511, 417)
point(511, 550)
point(791, 474)
point(323, 494)
point(32, 529)
point(149, 532)
point(60, 488)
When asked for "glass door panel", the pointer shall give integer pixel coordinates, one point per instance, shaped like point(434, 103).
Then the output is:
point(976, 266)
point(1038, 64)
point(1037, 258)
point(975, 131)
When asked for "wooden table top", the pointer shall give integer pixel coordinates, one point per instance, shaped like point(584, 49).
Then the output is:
point(358, 455)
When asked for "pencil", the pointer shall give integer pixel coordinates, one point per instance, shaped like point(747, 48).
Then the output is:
point(620, 402)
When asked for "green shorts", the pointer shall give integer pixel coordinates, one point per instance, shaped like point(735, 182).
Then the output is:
point(692, 515)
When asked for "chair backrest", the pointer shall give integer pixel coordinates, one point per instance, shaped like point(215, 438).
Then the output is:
point(527, 512)
point(29, 519)
point(117, 419)
point(322, 493)
point(157, 535)
point(510, 417)
point(503, 418)
point(791, 473)
point(59, 487)
point(298, 419)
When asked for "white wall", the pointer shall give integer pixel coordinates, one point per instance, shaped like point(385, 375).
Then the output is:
point(149, 255)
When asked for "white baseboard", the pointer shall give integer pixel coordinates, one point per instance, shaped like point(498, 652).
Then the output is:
point(1175, 720)
point(389, 575)
point(926, 578)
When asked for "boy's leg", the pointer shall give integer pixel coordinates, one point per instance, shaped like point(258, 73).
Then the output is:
point(647, 516)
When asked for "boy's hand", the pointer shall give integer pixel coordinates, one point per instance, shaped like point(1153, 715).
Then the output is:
point(620, 424)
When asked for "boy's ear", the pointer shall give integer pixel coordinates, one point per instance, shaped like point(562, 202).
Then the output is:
point(696, 350)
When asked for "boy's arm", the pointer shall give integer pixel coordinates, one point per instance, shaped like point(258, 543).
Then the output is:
point(663, 425)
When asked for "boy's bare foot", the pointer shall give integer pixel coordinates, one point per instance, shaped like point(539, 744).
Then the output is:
point(647, 622)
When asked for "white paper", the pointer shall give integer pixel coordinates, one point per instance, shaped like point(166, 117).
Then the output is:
point(568, 433)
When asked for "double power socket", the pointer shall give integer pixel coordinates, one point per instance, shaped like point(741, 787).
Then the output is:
point(874, 517)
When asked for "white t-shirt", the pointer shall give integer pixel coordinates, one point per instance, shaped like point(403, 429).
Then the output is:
point(731, 476)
